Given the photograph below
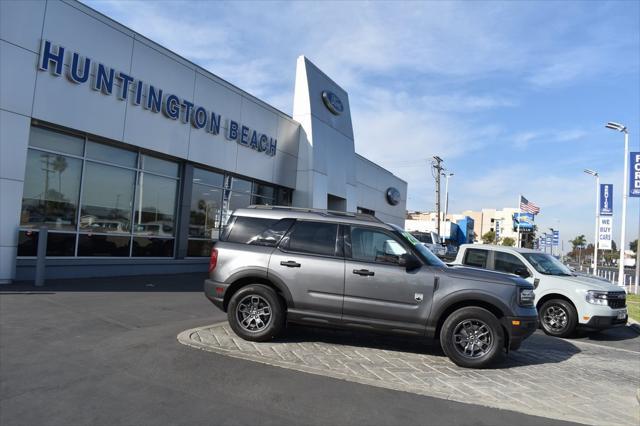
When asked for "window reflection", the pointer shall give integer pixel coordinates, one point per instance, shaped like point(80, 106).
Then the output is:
point(155, 205)
point(51, 187)
point(107, 195)
point(206, 208)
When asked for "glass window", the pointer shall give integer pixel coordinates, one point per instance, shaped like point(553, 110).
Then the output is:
point(261, 201)
point(506, 262)
point(262, 190)
point(283, 197)
point(157, 165)
point(102, 152)
point(238, 200)
point(51, 188)
point(476, 257)
point(155, 205)
point(206, 209)
point(56, 141)
point(199, 248)
point(209, 178)
point(240, 185)
point(27, 243)
point(103, 245)
point(314, 237)
point(152, 247)
point(107, 195)
point(363, 210)
point(371, 245)
point(58, 244)
point(245, 230)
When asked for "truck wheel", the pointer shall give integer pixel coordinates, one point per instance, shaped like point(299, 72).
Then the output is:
point(558, 318)
point(256, 313)
point(472, 337)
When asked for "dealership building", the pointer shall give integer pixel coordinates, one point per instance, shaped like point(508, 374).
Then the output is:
point(133, 157)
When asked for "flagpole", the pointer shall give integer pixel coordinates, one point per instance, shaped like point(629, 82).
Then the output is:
point(519, 218)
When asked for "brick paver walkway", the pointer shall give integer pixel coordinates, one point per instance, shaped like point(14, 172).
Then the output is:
point(547, 377)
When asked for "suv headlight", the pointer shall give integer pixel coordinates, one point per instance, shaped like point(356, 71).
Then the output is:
point(526, 297)
point(597, 297)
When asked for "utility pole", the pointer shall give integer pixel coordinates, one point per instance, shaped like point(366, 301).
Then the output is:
point(437, 171)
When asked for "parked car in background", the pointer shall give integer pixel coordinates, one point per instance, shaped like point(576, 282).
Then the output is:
point(432, 241)
point(565, 300)
point(274, 265)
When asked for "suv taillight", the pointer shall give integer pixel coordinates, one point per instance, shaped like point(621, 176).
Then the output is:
point(213, 261)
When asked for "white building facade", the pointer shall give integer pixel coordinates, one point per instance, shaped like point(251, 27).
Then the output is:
point(133, 157)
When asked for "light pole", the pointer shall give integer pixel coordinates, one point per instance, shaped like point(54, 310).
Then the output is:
point(552, 232)
point(595, 235)
point(621, 128)
point(446, 192)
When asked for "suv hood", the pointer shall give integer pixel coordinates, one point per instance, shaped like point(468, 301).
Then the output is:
point(586, 282)
point(477, 274)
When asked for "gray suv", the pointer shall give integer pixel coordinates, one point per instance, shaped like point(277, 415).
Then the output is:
point(275, 265)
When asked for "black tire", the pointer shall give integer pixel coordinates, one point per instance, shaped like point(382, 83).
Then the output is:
point(483, 331)
point(247, 315)
point(558, 318)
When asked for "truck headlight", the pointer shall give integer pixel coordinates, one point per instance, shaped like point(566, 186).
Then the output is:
point(597, 297)
point(526, 297)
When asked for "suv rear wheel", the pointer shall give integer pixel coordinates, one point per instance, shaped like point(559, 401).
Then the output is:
point(472, 337)
point(558, 318)
point(256, 313)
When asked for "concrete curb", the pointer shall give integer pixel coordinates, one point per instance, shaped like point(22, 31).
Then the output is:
point(635, 326)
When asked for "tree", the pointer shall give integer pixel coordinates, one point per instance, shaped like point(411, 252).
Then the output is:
point(633, 245)
point(489, 237)
point(578, 242)
point(508, 241)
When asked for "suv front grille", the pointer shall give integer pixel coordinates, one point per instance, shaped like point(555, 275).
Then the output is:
point(617, 300)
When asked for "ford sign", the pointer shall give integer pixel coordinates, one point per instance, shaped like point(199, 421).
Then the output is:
point(393, 196)
point(332, 102)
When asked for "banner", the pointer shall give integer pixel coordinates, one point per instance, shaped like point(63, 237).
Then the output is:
point(634, 174)
point(605, 233)
point(498, 230)
point(525, 219)
point(606, 199)
point(556, 238)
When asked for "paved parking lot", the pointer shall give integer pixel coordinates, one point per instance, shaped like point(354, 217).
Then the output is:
point(575, 380)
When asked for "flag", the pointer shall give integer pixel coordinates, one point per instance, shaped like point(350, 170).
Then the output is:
point(528, 206)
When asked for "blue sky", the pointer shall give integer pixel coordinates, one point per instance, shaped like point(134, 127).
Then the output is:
point(512, 95)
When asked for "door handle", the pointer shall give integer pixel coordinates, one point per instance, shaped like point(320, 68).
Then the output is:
point(364, 272)
point(290, 264)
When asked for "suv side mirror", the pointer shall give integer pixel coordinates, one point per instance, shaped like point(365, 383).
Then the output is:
point(522, 272)
point(410, 262)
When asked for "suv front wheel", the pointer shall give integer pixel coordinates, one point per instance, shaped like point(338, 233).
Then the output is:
point(558, 318)
point(256, 313)
point(472, 337)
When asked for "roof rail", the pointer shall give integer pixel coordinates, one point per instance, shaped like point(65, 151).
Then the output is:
point(322, 212)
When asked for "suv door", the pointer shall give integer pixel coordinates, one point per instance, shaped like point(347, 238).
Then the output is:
point(379, 291)
point(309, 261)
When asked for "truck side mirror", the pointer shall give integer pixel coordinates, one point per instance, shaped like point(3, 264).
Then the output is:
point(410, 262)
point(522, 272)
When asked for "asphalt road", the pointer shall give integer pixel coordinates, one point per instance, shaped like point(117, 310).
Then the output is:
point(104, 352)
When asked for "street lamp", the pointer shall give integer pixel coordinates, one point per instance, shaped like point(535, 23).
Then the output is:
point(595, 235)
point(446, 191)
point(621, 128)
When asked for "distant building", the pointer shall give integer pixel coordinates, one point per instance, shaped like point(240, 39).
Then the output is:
point(455, 229)
point(499, 221)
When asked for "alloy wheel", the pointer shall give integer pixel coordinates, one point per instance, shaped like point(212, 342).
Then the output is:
point(472, 338)
point(253, 313)
point(555, 318)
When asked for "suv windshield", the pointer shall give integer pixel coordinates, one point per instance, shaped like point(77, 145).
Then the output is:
point(419, 247)
point(547, 264)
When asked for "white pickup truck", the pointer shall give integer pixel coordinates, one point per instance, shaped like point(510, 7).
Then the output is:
point(564, 300)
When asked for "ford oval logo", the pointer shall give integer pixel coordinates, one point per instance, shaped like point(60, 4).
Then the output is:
point(393, 196)
point(332, 102)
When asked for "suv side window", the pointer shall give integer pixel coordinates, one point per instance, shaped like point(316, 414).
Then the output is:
point(506, 262)
point(256, 231)
point(313, 237)
point(476, 257)
point(371, 245)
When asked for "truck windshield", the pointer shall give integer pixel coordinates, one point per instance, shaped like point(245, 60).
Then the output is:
point(419, 247)
point(547, 264)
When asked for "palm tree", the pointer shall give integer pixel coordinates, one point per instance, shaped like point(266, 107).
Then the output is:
point(577, 243)
point(59, 165)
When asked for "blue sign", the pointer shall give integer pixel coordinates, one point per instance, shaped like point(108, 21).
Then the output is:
point(556, 238)
point(332, 102)
point(606, 199)
point(634, 174)
point(108, 81)
point(525, 220)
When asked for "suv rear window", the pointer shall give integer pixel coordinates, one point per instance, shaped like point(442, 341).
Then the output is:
point(476, 257)
point(313, 237)
point(256, 230)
